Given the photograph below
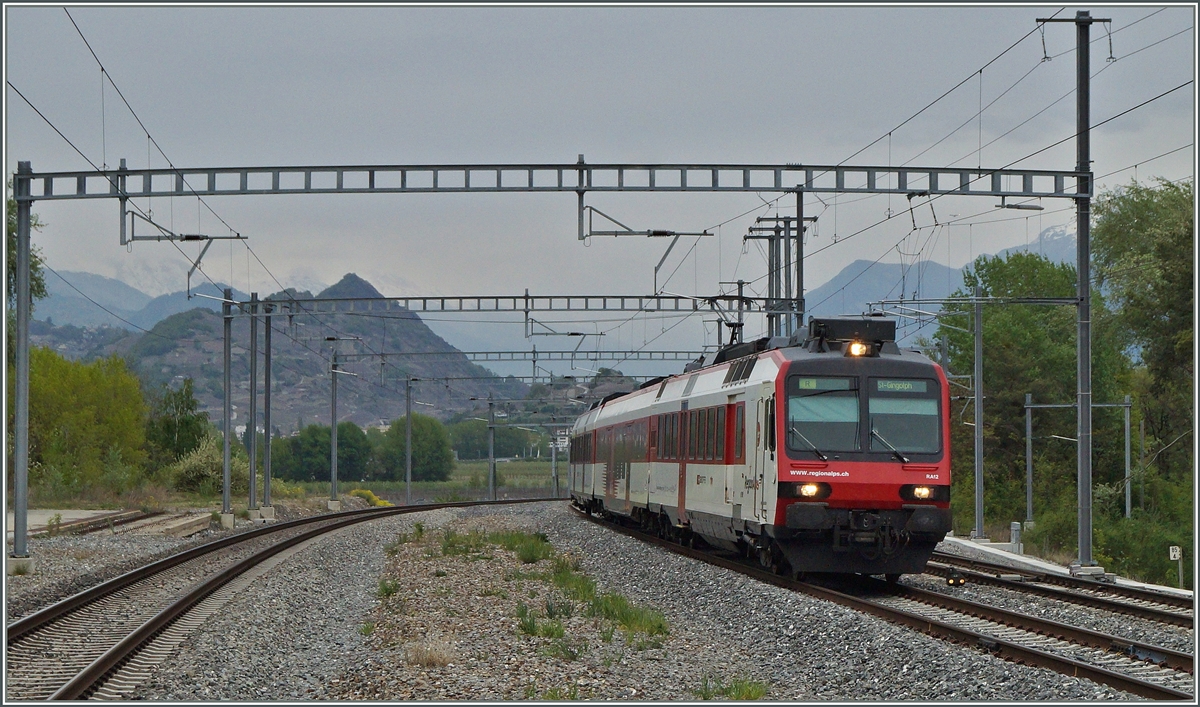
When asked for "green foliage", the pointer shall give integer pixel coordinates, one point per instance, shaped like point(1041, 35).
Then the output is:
point(305, 457)
point(86, 423)
point(174, 426)
point(171, 333)
point(370, 497)
point(387, 588)
point(202, 470)
point(470, 440)
point(455, 543)
point(1144, 249)
point(432, 459)
point(1029, 349)
point(367, 629)
point(528, 624)
point(36, 274)
point(563, 649)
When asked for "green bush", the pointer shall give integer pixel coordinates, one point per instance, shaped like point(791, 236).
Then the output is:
point(202, 470)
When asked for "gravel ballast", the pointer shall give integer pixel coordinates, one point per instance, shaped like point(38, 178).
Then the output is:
point(317, 627)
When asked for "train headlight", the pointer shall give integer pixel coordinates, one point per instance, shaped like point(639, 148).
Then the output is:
point(858, 348)
point(806, 490)
point(925, 493)
point(810, 490)
point(922, 493)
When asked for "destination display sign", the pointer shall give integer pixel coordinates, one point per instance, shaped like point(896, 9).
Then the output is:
point(901, 386)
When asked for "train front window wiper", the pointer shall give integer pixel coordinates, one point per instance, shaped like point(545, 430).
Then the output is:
point(901, 457)
point(811, 446)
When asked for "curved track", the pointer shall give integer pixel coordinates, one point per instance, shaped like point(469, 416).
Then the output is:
point(70, 649)
point(1148, 671)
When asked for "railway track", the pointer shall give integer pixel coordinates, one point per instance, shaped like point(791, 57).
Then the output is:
point(94, 643)
point(1140, 669)
point(1131, 601)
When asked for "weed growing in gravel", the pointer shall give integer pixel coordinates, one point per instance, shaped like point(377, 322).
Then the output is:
point(530, 548)
point(54, 525)
point(634, 619)
point(566, 576)
point(418, 530)
point(20, 570)
point(559, 694)
point(737, 689)
point(367, 629)
point(431, 654)
point(387, 587)
point(564, 649)
point(493, 592)
point(439, 573)
point(455, 543)
point(606, 633)
point(528, 624)
point(559, 609)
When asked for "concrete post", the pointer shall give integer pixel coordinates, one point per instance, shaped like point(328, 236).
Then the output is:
point(1128, 478)
point(491, 449)
point(1083, 25)
point(334, 503)
point(1028, 458)
point(554, 463)
point(408, 441)
point(978, 412)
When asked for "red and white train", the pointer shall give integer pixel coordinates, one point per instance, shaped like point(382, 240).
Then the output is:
point(828, 452)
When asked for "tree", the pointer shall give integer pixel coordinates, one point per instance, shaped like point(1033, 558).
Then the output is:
point(1144, 248)
point(1030, 349)
point(174, 426)
point(37, 280)
point(87, 421)
point(471, 442)
point(432, 459)
point(305, 457)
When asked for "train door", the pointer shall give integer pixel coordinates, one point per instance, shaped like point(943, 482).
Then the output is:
point(764, 449)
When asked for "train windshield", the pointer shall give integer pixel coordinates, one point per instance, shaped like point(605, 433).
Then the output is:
point(823, 415)
point(904, 415)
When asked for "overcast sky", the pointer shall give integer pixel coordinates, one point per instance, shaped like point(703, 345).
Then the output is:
point(260, 86)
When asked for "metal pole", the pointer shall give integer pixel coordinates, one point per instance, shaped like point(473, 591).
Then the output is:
point(267, 405)
point(1128, 479)
point(1142, 464)
point(799, 259)
point(1083, 23)
point(491, 448)
point(554, 462)
point(1028, 458)
point(741, 312)
point(773, 328)
point(226, 312)
point(786, 275)
point(978, 413)
point(408, 441)
point(21, 443)
point(252, 423)
point(333, 428)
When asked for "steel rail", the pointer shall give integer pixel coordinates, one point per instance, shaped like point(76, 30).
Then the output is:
point(1176, 660)
point(996, 646)
point(1066, 581)
point(91, 525)
point(94, 674)
point(1150, 613)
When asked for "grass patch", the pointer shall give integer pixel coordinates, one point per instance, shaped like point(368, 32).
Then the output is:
point(634, 619)
point(387, 587)
point(559, 694)
point(561, 609)
point(367, 629)
point(462, 544)
point(564, 649)
point(528, 624)
point(574, 584)
point(493, 592)
point(737, 689)
point(439, 573)
point(530, 548)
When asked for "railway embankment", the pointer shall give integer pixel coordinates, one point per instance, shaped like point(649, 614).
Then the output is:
point(530, 601)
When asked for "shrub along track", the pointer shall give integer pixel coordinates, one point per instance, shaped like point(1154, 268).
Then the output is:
point(70, 649)
point(1148, 671)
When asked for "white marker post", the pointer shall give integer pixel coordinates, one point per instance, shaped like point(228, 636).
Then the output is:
point(1177, 555)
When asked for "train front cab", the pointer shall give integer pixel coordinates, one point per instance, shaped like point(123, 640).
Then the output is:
point(863, 462)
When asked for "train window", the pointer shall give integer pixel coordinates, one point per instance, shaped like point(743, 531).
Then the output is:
point(710, 448)
point(702, 442)
point(739, 433)
point(904, 415)
point(720, 451)
point(822, 415)
point(693, 422)
point(771, 423)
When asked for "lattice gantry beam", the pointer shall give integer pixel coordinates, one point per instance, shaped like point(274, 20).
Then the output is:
point(522, 304)
point(495, 356)
point(577, 177)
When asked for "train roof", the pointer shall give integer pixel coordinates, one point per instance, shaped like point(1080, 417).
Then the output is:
point(825, 337)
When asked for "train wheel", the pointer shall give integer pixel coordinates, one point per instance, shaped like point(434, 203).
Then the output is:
point(892, 577)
